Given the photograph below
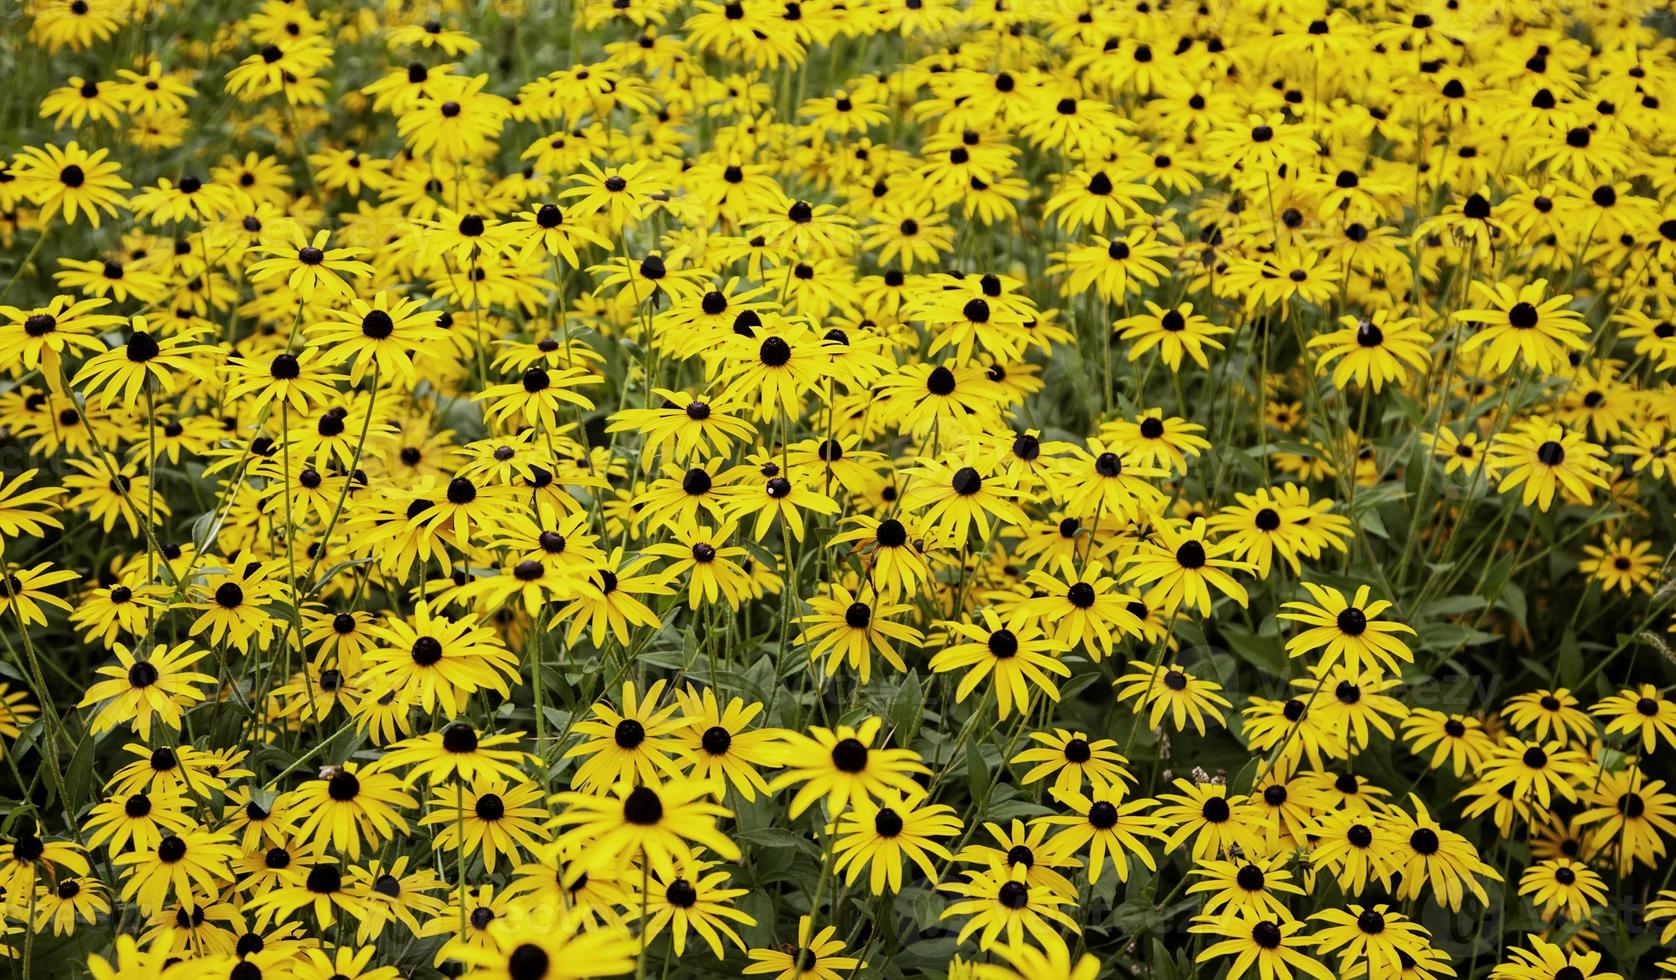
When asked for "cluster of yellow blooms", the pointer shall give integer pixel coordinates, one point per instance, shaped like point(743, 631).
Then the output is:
point(969, 488)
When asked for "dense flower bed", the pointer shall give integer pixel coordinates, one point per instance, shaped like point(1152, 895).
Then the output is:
point(829, 488)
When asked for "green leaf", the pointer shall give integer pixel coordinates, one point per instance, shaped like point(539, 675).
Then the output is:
point(1241, 784)
point(1266, 653)
point(728, 680)
point(1163, 964)
point(1105, 889)
point(977, 774)
point(1513, 600)
point(1571, 659)
point(203, 527)
point(27, 738)
point(1076, 685)
point(1020, 809)
point(1447, 637)
point(772, 838)
point(759, 905)
point(78, 776)
point(667, 659)
point(340, 566)
point(904, 710)
point(1496, 580)
point(1454, 605)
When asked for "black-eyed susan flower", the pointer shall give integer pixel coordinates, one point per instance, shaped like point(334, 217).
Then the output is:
point(1428, 856)
point(1563, 886)
point(1533, 771)
point(492, 818)
point(1258, 145)
point(1622, 564)
point(189, 867)
point(1271, 946)
point(1108, 827)
point(38, 338)
point(323, 892)
point(1250, 886)
point(1373, 350)
point(999, 903)
point(456, 753)
point(927, 397)
point(145, 363)
point(1633, 812)
point(1171, 691)
point(1104, 483)
point(1543, 959)
point(158, 686)
point(894, 550)
point(381, 335)
point(720, 745)
point(23, 592)
point(308, 265)
point(435, 661)
point(1182, 565)
point(1356, 848)
point(1026, 962)
point(1353, 703)
point(1524, 326)
point(848, 631)
point(25, 513)
point(776, 497)
point(111, 494)
point(685, 427)
point(1285, 804)
point(1456, 739)
point(711, 565)
point(28, 858)
point(635, 743)
point(131, 959)
point(1156, 440)
point(168, 769)
point(1548, 461)
point(1641, 711)
point(661, 823)
point(394, 892)
point(69, 180)
point(621, 195)
point(1375, 936)
point(877, 832)
point(16, 711)
point(350, 805)
point(1072, 757)
point(1347, 631)
point(696, 902)
point(344, 961)
point(608, 602)
point(293, 382)
point(67, 902)
point(1173, 333)
point(1205, 813)
point(1115, 267)
point(841, 765)
point(1015, 659)
point(1549, 715)
point(1093, 197)
point(137, 820)
point(1292, 731)
point(818, 955)
point(1083, 607)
